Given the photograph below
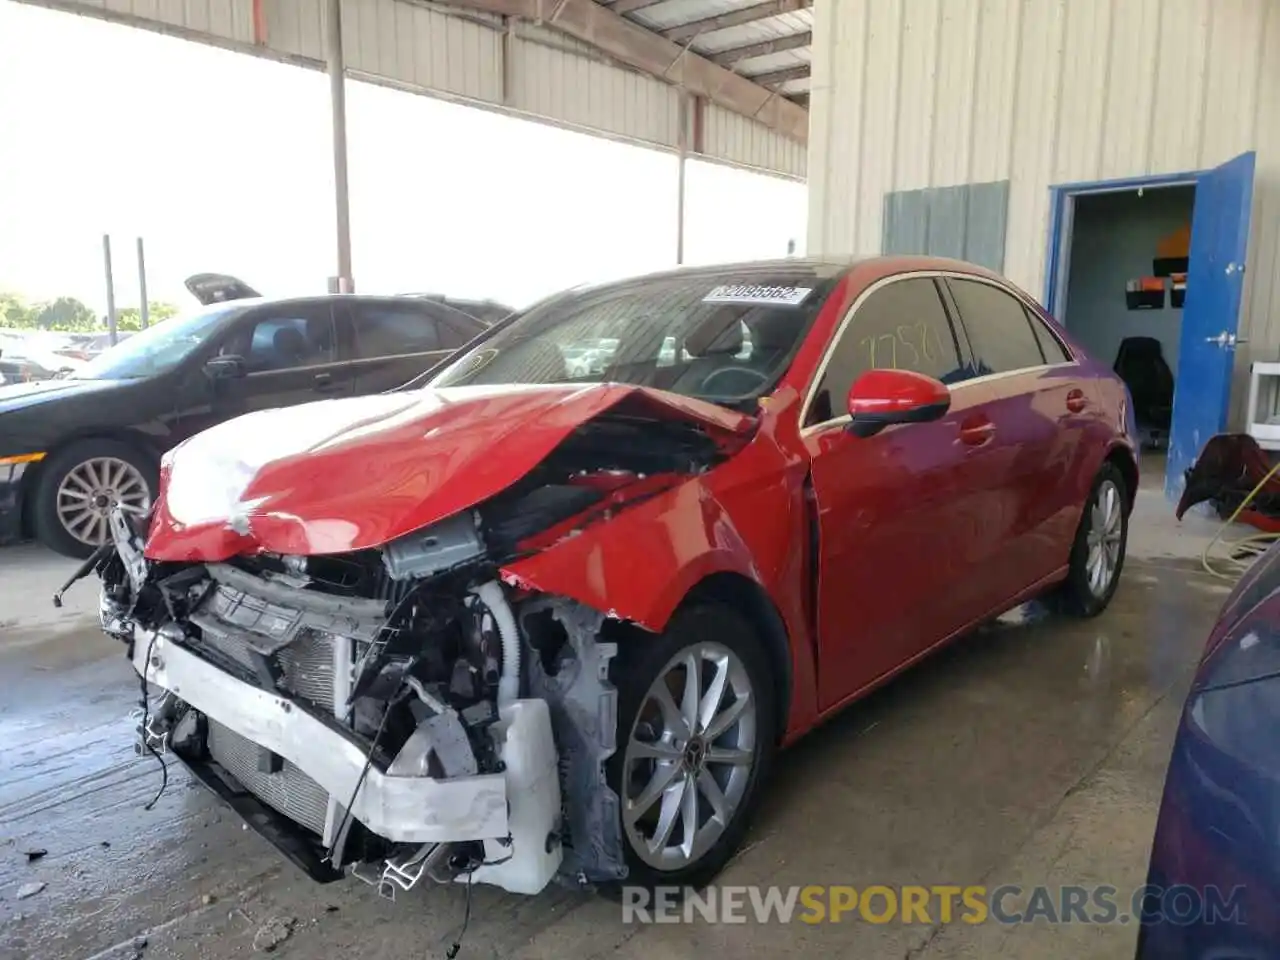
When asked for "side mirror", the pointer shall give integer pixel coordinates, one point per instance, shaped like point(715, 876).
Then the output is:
point(881, 398)
point(226, 367)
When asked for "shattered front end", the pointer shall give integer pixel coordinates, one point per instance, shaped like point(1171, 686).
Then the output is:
point(334, 614)
point(369, 713)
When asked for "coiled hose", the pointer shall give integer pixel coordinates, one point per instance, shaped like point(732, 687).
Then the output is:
point(495, 600)
point(1240, 554)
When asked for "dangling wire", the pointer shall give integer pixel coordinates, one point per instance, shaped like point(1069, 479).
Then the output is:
point(456, 947)
point(364, 772)
point(146, 715)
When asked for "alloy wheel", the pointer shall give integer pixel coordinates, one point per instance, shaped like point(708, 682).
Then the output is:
point(1106, 530)
point(92, 489)
point(689, 756)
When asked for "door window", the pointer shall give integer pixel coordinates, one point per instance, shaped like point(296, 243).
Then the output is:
point(1050, 347)
point(390, 331)
point(287, 339)
point(999, 330)
point(900, 326)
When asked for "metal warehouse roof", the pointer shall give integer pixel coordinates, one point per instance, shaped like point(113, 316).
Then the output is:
point(748, 56)
point(767, 41)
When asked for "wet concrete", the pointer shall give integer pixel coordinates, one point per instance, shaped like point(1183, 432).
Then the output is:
point(1030, 753)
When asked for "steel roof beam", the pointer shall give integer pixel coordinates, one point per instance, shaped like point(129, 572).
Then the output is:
point(628, 6)
point(762, 49)
point(735, 18)
point(775, 77)
point(630, 43)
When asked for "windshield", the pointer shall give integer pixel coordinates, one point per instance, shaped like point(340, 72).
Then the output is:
point(156, 349)
point(725, 337)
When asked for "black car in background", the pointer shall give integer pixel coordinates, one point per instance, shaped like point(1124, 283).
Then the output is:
point(71, 448)
point(490, 311)
point(23, 359)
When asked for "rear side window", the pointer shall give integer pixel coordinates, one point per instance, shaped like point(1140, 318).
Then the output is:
point(456, 329)
point(901, 326)
point(999, 330)
point(388, 331)
point(1054, 352)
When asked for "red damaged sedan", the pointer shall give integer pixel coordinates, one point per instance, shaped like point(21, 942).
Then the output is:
point(540, 619)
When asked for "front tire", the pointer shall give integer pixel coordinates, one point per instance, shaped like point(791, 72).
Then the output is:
point(80, 485)
point(1097, 555)
point(697, 725)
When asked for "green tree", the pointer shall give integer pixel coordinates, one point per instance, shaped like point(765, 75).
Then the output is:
point(14, 312)
point(130, 318)
point(66, 314)
point(69, 315)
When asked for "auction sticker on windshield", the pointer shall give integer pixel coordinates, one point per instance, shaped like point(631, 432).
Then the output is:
point(751, 293)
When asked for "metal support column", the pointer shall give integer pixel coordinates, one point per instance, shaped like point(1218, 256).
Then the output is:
point(111, 289)
point(143, 308)
point(338, 104)
point(682, 156)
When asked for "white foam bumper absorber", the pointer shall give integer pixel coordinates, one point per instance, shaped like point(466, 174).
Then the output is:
point(528, 750)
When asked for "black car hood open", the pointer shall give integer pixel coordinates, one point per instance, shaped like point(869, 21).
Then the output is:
point(211, 288)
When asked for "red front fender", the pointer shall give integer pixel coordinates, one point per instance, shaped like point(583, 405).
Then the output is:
point(745, 518)
point(641, 564)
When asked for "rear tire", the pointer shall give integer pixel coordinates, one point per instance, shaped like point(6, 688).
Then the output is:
point(660, 765)
point(77, 488)
point(1097, 555)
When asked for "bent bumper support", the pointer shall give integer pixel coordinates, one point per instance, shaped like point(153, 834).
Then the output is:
point(407, 809)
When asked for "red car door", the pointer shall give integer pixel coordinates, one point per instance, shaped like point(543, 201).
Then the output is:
point(1038, 407)
point(900, 514)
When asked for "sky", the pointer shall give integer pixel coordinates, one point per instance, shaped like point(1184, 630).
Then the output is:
point(223, 162)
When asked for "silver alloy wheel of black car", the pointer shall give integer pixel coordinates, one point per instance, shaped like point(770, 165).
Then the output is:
point(689, 756)
point(1104, 536)
point(91, 490)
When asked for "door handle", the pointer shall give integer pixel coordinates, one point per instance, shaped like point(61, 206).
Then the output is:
point(1226, 340)
point(976, 434)
point(324, 382)
point(1076, 401)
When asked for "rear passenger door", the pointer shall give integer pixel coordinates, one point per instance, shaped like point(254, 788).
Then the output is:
point(1036, 401)
point(396, 341)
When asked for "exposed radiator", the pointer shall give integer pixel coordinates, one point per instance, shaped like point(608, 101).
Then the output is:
point(289, 790)
point(235, 623)
point(306, 666)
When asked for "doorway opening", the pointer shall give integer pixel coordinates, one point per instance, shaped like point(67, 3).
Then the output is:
point(1117, 282)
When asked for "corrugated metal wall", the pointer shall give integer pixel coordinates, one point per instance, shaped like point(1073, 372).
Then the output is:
point(965, 222)
point(228, 21)
point(539, 72)
point(910, 94)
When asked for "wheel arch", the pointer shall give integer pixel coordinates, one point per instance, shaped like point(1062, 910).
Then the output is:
point(32, 478)
point(744, 594)
point(1126, 462)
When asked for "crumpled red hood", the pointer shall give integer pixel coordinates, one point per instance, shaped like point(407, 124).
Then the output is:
point(342, 475)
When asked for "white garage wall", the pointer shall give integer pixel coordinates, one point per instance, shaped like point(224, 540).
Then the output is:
point(910, 94)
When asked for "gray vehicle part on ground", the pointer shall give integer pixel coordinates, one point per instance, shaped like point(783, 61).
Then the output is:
point(584, 719)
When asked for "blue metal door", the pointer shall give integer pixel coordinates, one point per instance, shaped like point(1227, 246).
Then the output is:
point(1211, 313)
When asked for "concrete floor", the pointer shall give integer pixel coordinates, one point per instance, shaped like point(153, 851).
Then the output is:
point(1031, 753)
